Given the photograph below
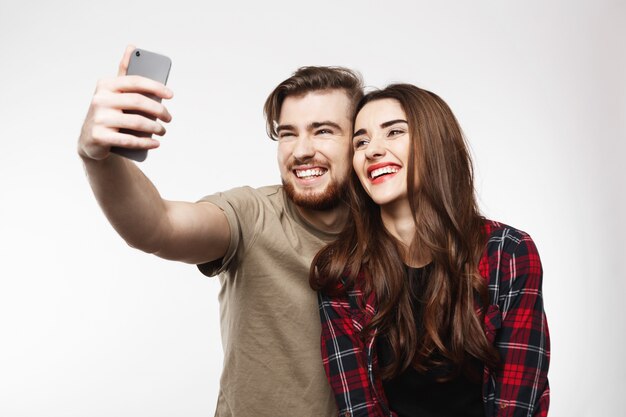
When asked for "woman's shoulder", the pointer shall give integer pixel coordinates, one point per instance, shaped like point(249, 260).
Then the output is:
point(501, 234)
point(504, 242)
point(511, 265)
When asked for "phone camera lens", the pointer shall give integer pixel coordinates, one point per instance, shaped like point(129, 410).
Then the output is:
point(137, 53)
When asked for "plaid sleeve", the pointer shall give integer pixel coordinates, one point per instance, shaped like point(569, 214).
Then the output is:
point(345, 359)
point(519, 387)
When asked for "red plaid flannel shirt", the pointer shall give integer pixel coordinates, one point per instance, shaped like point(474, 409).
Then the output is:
point(514, 322)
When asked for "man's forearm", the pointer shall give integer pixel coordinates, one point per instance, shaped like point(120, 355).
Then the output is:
point(129, 200)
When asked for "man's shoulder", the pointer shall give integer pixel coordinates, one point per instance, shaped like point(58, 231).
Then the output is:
point(266, 191)
point(246, 194)
point(270, 191)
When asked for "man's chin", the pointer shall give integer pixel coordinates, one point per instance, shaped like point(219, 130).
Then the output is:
point(327, 199)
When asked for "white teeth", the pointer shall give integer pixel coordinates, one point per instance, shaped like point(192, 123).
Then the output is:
point(384, 170)
point(307, 173)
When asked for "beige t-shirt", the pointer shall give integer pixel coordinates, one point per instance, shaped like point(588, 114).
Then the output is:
point(269, 314)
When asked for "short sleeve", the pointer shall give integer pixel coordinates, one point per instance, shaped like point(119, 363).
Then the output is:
point(242, 211)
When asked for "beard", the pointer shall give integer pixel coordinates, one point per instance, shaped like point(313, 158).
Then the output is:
point(326, 199)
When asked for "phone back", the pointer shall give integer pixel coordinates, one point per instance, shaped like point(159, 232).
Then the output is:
point(150, 65)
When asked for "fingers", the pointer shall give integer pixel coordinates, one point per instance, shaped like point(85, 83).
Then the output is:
point(132, 102)
point(112, 120)
point(134, 84)
point(139, 124)
point(102, 139)
point(106, 138)
point(124, 140)
point(105, 115)
point(123, 67)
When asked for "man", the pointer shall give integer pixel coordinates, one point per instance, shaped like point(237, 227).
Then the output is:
point(260, 241)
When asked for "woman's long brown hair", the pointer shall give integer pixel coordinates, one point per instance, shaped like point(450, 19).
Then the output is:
point(448, 231)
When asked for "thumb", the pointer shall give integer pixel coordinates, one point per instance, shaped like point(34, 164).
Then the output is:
point(125, 59)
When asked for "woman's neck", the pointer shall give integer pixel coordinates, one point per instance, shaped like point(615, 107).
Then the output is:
point(399, 222)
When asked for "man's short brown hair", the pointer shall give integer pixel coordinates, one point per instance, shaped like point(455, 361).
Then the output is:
point(307, 79)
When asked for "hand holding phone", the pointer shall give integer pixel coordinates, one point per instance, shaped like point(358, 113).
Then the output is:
point(150, 65)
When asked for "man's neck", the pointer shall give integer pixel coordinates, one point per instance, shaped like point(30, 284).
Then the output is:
point(328, 221)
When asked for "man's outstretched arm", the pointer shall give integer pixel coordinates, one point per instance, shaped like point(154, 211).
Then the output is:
point(188, 232)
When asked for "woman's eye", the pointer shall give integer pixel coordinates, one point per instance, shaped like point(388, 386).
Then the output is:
point(395, 132)
point(359, 143)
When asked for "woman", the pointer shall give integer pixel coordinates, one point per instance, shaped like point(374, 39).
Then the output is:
point(427, 308)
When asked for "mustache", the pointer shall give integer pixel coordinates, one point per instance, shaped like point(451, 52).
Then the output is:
point(306, 161)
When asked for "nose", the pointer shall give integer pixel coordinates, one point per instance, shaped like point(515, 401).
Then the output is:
point(303, 148)
point(375, 149)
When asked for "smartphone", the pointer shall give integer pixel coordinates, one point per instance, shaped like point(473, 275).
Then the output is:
point(150, 65)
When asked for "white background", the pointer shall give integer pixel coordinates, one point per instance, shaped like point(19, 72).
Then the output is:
point(91, 327)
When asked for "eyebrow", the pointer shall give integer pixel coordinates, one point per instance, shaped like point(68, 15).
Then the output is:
point(316, 125)
point(393, 122)
point(382, 125)
point(311, 126)
point(280, 128)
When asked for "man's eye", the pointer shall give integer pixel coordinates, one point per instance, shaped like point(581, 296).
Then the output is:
point(324, 132)
point(286, 135)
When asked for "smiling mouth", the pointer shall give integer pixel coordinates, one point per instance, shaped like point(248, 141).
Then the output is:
point(379, 172)
point(309, 173)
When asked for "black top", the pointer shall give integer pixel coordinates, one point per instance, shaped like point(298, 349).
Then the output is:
point(412, 393)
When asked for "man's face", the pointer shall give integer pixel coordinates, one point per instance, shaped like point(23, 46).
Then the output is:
point(314, 138)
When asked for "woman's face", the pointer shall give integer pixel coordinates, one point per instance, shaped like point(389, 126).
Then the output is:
point(381, 151)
